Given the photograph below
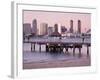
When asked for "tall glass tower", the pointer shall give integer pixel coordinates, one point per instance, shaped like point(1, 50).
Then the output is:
point(79, 26)
point(34, 27)
point(71, 26)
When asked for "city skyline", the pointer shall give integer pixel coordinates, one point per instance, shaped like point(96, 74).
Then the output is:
point(60, 18)
point(61, 29)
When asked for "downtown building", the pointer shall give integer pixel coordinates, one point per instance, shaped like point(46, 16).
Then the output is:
point(79, 27)
point(26, 28)
point(71, 26)
point(43, 29)
point(50, 30)
point(56, 31)
point(34, 27)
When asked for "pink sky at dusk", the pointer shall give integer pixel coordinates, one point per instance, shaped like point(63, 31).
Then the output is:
point(58, 17)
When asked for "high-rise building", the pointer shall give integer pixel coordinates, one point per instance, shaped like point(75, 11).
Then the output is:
point(71, 26)
point(27, 28)
point(43, 29)
point(34, 27)
point(55, 33)
point(59, 28)
point(56, 28)
point(79, 26)
point(50, 30)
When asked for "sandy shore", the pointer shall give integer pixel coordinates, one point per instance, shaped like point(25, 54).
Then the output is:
point(83, 61)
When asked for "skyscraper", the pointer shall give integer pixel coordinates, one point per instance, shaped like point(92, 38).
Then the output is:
point(79, 26)
point(59, 28)
point(71, 26)
point(55, 33)
point(43, 29)
point(50, 30)
point(27, 28)
point(56, 28)
point(34, 27)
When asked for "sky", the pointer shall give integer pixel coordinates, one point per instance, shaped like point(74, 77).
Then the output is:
point(61, 18)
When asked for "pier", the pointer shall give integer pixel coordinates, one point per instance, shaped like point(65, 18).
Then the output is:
point(58, 44)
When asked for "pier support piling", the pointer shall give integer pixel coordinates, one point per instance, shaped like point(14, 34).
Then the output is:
point(80, 52)
point(73, 50)
point(87, 50)
point(40, 47)
point(31, 47)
